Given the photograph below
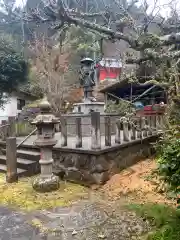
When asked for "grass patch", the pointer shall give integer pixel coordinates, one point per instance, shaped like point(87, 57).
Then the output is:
point(164, 219)
point(23, 196)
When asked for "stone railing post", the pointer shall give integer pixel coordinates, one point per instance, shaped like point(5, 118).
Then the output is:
point(12, 126)
point(159, 122)
point(164, 121)
point(118, 132)
point(144, 125)
point(133, 135)
point(95, 131)
point(78, 133)
point(139, 126)
point(107, 122)
point(11, 160)
point(152, 124)
point(63, 122)
point(149, 123)
point(155, 123)
point(126, 133)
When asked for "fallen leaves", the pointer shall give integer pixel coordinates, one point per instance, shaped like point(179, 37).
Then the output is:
point(22, 195)
point(134, 184)
point(101, 236)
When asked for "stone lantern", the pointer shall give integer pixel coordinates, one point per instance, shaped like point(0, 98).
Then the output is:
point(45, 123)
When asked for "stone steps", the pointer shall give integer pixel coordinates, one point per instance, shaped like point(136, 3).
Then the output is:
point(21, 172)
point(26, 154)
point(27, 162)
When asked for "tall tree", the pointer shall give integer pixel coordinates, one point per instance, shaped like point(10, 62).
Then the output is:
point(53, 72)
point(156, 56)
point(8, 18)
point(14, 69)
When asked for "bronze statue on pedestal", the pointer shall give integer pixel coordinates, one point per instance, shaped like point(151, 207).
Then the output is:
point(87, 78)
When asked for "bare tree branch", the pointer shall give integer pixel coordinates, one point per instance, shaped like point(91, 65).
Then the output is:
point(61, 15)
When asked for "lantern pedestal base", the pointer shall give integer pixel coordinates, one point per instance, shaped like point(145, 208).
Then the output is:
point(46, 183)
point(88, 106)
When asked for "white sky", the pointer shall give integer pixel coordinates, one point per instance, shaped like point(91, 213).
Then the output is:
point(164, 9)
point(163, 6)
point(20, 2)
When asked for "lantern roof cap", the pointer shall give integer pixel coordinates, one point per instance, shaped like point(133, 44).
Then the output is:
point(90, 60)
point(45, 119)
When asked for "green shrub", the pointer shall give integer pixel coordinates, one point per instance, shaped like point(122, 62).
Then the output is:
point(169, 162)
point(165, 220)
point(123, 107)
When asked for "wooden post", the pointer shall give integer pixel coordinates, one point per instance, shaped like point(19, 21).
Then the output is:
point(78, 133)
point(4, 130)
point(18, 128)
point(95, 131)
point(63, 132)
point(107, 122)
point(12, 130)
point(126, 137)
point(11, 160)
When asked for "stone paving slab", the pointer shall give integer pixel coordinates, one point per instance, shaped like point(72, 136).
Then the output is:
point(13, 226)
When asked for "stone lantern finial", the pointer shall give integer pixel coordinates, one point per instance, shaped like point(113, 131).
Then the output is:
point(44, 105)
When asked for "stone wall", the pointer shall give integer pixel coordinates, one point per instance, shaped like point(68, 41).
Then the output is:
point(88, 167)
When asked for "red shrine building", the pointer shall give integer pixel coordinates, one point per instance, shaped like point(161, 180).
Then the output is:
point(109, 69)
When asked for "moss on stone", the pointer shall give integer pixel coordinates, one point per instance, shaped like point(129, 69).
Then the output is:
point(22, 195)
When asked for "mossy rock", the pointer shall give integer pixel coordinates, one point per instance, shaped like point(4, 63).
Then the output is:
point(46, 184)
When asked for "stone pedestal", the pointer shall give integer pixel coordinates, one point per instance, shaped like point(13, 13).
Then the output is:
point(87, 106)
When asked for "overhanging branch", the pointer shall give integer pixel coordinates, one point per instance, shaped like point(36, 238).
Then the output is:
point(61, 15)
point(152, 55)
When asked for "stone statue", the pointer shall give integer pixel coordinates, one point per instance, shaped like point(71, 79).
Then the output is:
point(87, 78)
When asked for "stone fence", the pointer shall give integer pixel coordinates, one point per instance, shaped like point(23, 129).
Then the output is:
point(108, 125)
point(13, 127)
point(123, 142)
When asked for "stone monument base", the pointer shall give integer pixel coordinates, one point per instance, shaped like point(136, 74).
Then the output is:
point(87, 106)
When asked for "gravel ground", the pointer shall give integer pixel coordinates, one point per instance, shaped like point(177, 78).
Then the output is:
point(82, 221)
point(92, 221)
